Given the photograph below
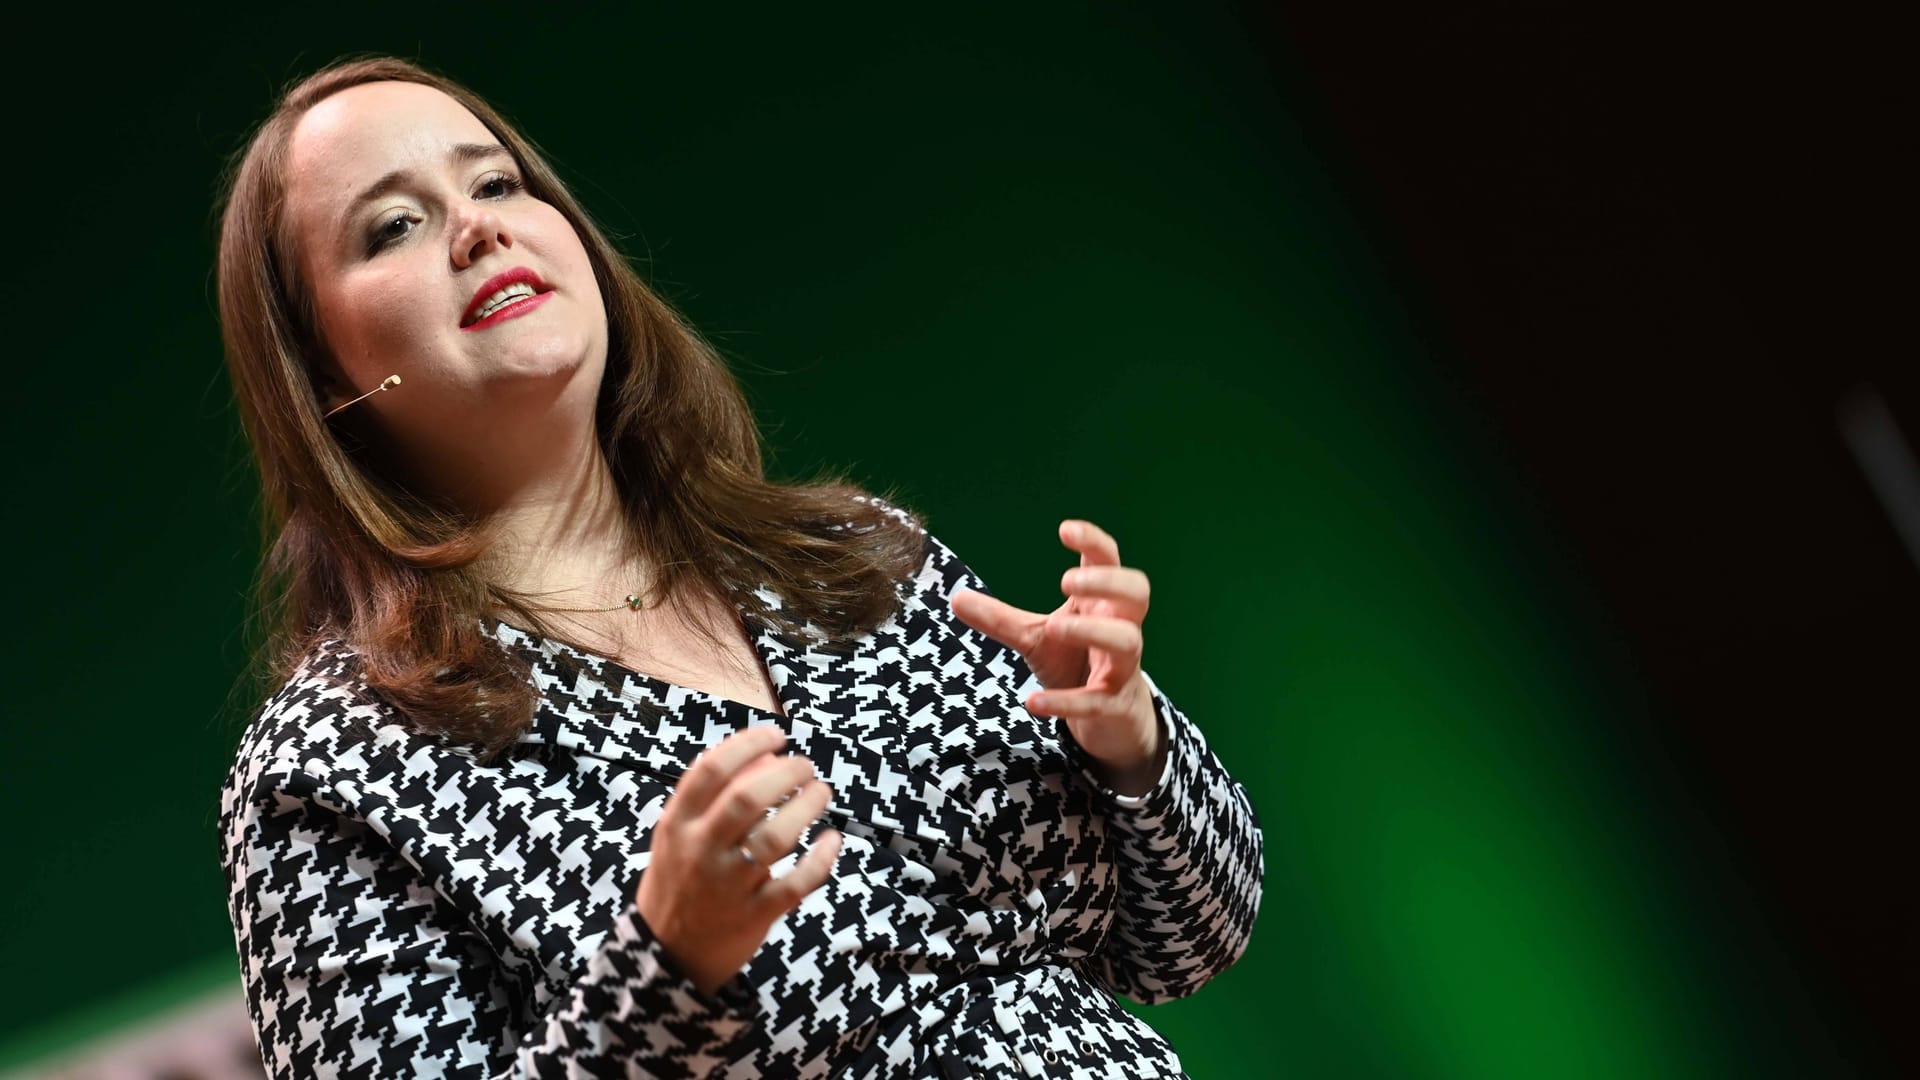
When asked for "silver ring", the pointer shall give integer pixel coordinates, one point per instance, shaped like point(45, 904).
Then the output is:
point(747, 853)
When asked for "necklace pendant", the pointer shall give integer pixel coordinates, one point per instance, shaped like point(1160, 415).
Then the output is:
point(633, 602)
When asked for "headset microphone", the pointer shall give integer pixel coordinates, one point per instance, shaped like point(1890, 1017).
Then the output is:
point(391, 380)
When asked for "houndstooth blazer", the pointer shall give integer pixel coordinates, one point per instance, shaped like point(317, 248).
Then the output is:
point(401, 910)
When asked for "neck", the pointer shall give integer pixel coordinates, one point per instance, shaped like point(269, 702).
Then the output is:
point(560, 531)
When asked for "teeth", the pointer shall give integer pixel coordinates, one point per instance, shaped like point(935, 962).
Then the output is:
point(517, 290)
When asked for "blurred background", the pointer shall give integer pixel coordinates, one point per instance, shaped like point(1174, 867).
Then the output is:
point(1502, 404)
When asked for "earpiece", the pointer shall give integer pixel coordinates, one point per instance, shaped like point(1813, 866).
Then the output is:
point(391, 380)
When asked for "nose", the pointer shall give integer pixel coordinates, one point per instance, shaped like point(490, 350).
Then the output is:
point(478, 232)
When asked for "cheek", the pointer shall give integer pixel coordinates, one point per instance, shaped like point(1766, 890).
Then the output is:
point(376, 320)
point(567, 247)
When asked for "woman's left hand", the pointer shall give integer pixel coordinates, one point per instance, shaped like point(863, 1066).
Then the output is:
point(1087, 654)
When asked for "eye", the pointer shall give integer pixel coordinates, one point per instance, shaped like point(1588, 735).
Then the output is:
point(505, 181)
point(385, 233)
point(494, 187)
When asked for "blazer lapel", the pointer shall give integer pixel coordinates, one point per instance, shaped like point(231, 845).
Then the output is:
point(839, 718)
point(590, 705)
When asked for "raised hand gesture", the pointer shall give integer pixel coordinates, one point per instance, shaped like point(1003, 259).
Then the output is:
point(1086, 652)
point(707, 893)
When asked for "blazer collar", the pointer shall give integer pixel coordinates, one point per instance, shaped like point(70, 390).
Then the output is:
point(594, 706)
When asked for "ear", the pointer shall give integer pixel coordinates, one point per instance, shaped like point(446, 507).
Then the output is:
point(330, 386)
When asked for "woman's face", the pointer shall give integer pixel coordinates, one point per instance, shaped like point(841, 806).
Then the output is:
point(404, 209)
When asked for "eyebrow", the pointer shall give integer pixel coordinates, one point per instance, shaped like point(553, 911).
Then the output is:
point(460, 154)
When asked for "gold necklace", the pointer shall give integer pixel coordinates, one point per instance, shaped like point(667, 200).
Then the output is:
point(632, 604)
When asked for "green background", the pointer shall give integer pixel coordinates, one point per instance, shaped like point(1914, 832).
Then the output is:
point(1025, 262)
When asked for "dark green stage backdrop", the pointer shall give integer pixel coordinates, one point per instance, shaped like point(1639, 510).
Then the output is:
point(1028, 263)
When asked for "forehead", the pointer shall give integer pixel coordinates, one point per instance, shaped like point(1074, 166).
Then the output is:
point(362, 133)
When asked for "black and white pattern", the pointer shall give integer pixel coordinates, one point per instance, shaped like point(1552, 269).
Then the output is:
point(403, 911)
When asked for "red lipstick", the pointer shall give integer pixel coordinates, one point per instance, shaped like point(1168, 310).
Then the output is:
point(500, 281)
point(511, 311)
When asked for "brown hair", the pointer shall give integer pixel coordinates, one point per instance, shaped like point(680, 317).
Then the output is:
point(350, 553)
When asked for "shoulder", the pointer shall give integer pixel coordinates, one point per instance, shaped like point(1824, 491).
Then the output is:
point(935, 562)
point(903, 515)
point(321, 720)
point(937, 552)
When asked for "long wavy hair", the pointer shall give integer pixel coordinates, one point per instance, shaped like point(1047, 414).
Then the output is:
point(350, 553)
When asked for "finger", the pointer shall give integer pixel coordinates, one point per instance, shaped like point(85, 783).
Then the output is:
point(782, 894)
point(717, 765)
point(1095, 545)
point(744, 804)
point(1089, 704)
point(1097, 632)
point(773, 838)
point(999, 620)
point(1125, 586)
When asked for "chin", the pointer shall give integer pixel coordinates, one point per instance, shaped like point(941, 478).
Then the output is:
point(548, 357)
point(552, 377)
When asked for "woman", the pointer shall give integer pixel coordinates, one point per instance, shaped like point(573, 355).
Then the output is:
point(588, 750)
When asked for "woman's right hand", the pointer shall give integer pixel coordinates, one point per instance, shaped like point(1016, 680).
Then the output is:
point(709, 908)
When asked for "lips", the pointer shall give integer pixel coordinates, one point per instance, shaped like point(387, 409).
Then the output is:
point(497, 282)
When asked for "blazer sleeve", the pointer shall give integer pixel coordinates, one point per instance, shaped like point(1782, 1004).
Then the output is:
point(1189, 850)
point(355, 967)
point(1190, 858)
